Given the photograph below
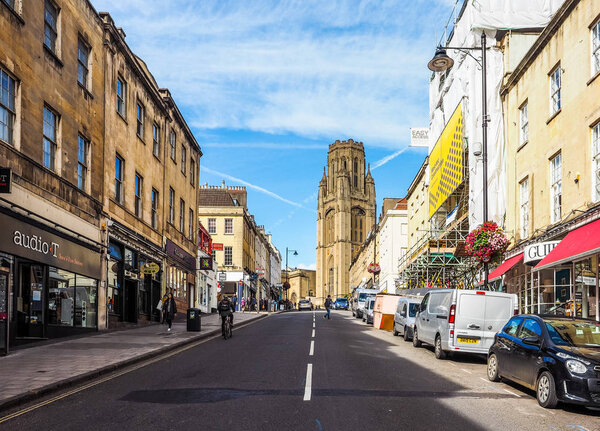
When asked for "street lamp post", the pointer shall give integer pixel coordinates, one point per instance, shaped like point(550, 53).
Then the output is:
point(287, 275)
point(440, 63)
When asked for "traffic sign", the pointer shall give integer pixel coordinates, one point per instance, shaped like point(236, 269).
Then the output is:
point(222, 276)
point(150, 268)
point(260, 271)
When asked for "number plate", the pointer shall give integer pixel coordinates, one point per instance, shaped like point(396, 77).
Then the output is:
point(468, 340)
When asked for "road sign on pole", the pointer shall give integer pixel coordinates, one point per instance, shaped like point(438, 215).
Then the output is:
point(222, 276)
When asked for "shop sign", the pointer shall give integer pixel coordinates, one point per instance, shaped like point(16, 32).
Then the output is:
point(222, 276)
point(536, 252)
point(25, 240)
point(217, 246)
point(180, 255)
point(374, 268)
point(206, 263)
point(150, 268)
point(590, 281)
point(5, 180)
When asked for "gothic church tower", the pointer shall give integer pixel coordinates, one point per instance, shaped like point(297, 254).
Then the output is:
point(346, 214)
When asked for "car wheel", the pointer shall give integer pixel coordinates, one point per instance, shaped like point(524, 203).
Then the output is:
point(492, 368)
point(416, 342)
point(546, 391)
point(406, 336)
point(395, 332)
point(439, 353)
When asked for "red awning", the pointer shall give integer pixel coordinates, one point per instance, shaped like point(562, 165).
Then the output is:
point(577, 244)
point(504, 267)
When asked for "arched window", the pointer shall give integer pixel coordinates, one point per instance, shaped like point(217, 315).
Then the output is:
point(358, 214)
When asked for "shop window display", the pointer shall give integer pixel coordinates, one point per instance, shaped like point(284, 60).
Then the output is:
point(61, 294)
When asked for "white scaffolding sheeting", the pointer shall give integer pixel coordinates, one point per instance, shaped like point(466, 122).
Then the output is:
point(463, 84)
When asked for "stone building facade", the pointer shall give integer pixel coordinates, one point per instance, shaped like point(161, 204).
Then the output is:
point(302, 285)
point(346, 213)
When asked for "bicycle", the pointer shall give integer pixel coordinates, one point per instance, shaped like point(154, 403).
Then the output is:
point(227, 330)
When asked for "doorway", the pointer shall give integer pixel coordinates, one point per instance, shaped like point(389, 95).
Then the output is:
point(130, 312)
point(30, 301)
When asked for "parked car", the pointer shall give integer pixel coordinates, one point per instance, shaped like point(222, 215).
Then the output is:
point(368, 310)
point(404, 319)
point(359, 298)
point(304, 304)
point(557, 357)
point(341, 304)
point(455, 320)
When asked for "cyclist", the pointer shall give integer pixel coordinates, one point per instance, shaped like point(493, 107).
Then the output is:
point(226, 310)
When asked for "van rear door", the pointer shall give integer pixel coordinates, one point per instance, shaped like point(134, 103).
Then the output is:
point(470, 319)
point(499, 308)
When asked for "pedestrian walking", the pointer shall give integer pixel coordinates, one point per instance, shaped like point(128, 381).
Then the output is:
point(243, 303)
point(170, 310)
point(328, 304)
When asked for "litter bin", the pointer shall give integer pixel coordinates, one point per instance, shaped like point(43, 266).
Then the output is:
point(193, 319)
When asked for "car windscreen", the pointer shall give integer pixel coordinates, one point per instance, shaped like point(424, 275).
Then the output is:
point(412, 310)
point(342, 300)
point(304, 301)
point(362, 296)
point(574, 333)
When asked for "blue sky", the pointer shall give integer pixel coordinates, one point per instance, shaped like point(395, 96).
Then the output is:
point(266, 86)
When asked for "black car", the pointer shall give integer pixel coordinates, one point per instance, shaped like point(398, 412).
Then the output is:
point(558, 357)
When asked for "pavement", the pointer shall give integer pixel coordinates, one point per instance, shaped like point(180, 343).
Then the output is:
point(35, 370)
point(298, 371)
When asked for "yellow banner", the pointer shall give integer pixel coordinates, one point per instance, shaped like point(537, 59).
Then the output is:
point(446, 162)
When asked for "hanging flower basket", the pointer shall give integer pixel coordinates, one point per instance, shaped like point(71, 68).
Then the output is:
point(486, 243)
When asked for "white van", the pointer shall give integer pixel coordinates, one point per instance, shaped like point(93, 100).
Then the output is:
point(404, 319)
point(359, 297)
point(455, 320)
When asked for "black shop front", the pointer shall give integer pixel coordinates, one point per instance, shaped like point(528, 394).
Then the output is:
point(48, 281)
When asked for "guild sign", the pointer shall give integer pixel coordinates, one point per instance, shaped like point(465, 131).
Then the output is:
point(536, 252)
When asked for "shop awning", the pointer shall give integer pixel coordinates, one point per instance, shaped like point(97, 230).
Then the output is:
point(577, 244)
point(504, 267)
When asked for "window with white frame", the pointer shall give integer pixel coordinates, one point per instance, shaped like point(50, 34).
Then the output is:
point(228, 256)
point(50, 138)
point(212, 225)
point(82, 164)
point(191, 224)
point(7, 107)
point(228, 225)
point(173, 141)
point(50, 26)
point(121, 96)
point(140, 120)
point(555, 87)
point(524, 203)
point(171, 205)
point(555, 188)
point(83, 56)
point(181, 215)
point(138, 194)
point(596, 160)
point(524, 122)
point(596, 48)
point(156, 140)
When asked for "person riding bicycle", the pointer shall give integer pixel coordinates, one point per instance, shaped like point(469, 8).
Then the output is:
point(226, 310)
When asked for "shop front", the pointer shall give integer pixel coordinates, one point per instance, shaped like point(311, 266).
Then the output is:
point(48, 281)
point(181, 276)
point(558, 276)
point(131, 293)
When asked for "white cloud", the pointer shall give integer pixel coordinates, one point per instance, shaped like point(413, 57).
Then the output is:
point(311, 266)
point(318, 69)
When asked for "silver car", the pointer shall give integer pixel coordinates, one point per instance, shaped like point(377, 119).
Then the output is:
point(404, 319)
point(304, 304)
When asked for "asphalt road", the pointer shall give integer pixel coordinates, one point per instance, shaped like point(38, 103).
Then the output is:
point(269, 377)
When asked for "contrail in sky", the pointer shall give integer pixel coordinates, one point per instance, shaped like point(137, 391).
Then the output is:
point(386, 159)
point(252, 186)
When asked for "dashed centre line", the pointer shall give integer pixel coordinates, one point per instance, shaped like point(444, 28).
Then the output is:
point(308, 386)
point(312, 348)
point(313, 334)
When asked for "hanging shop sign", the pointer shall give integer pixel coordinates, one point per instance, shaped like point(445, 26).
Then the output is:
point(535, 252)
point(30, 242)
point(150, 268)
point(217, 246)
point(206, 263)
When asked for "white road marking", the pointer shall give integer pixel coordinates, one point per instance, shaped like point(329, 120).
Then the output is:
point(313, 334)
point(308, 387)
point(485, 380)
point(512, 393)
point(312, 348)
point(313, 324)
point(453, 364)
point(466, 371)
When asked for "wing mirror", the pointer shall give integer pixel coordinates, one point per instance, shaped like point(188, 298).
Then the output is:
point(532, 341)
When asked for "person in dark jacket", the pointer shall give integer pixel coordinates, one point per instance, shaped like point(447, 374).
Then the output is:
point(169, 310)
point(226, 309)
point(328, 305)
